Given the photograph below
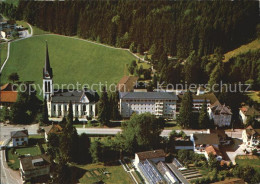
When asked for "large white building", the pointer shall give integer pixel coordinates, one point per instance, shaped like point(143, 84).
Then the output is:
point(161, 104)
point(83, 101)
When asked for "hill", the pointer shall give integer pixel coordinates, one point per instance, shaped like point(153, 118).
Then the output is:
point(72, 60)
point(254, 45)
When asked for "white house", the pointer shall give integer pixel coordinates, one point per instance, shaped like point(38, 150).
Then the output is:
point(251, 137)
point(161, 104)
point(34, 166)
point(246, 111)
point(203, 140)
point(19, 138)
point(83, 100)
point(220, 114)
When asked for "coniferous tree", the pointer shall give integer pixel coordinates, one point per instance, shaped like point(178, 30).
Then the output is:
point(185, 117)
point(204, 121)
point(103, 108)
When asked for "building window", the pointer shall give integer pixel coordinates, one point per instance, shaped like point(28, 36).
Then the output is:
point(84, 107)
point(54, 107)
point(22, 139)
point(17, 139)
point(77, 108)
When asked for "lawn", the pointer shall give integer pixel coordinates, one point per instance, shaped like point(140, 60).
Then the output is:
point(244, 48)
point(172, 125)
point(117, 174)
point(3, 52)
point(253, 161)
point(72, 61)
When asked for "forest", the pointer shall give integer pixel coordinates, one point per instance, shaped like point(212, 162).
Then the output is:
point(173, 28)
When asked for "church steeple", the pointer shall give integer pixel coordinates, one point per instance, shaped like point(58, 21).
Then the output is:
point(47, 70)
point(47, 77)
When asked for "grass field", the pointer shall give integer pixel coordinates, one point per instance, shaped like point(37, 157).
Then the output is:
point(244, 48)
point(253, 161)
point(72, 61)
point(3, 52)
point(117, 174)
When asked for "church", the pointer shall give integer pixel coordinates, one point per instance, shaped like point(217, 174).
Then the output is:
point(83, 101)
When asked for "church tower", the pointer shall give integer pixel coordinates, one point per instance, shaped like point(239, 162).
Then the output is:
point(47, 77)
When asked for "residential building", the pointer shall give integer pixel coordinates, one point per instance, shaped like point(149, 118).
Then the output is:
point(167, 173)
point(183, 144)
point(34, 166)
point(8, 95)
point(251, 137)
point(246, 111)
point(83, 101)
point(222, 136)
point(127, 84)
point(19, 138)
point(220, 114)
point(203, 140)
point(161, 104)
point(52, 129)
point(214, 151)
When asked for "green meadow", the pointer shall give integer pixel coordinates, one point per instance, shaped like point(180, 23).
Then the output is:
point(72, 61)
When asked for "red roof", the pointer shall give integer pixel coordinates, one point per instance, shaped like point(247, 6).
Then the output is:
point(8, 96)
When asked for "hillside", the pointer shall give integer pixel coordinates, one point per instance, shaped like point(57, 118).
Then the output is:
point(72, 61)
point(254, 45)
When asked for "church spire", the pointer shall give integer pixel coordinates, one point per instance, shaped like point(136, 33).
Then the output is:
point(47, 71)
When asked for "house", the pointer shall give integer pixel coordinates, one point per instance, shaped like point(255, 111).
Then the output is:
point(161, 104)
point(213, 150)
point(245, 112)
point(251, 137)
point(203, 140)
point(127, 84)
point(201, 91)
point(19, 138)
point(34, 166)
point(154, 156)
point(220, 114)
point(8, 95)
point(83, 101)
point(56, 129)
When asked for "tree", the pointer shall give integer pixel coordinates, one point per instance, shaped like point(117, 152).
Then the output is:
point(185, 116)
point(114, 100)
point(62, 172)
point(132, 47)
point(84, 149)
point(142, 132)
point(53, 146)
point(6, 114)
point(13, 77)
point(96, 151)
point(140, 49)
point(213, 163)
point(204, 120)
point(103, 108)
point(45, 117)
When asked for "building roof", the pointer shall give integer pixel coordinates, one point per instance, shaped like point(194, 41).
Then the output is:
point(221, 109)
point(231, 181)
point(206, 138)
point(53, 129)
point(8, 96)
point(127, 83)
point(19, 133)
point(35, 162)
point(183, 143)
point(74, 96)
point(148, 95)
point(249, 111)
point(220, 132)
point(151, 154)
point(213, 150)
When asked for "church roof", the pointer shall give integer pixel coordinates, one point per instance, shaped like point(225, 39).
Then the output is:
point(74, 96)
point(221, 109)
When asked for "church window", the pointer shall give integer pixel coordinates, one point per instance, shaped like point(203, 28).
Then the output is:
point(45, 86)
point(84, 107)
